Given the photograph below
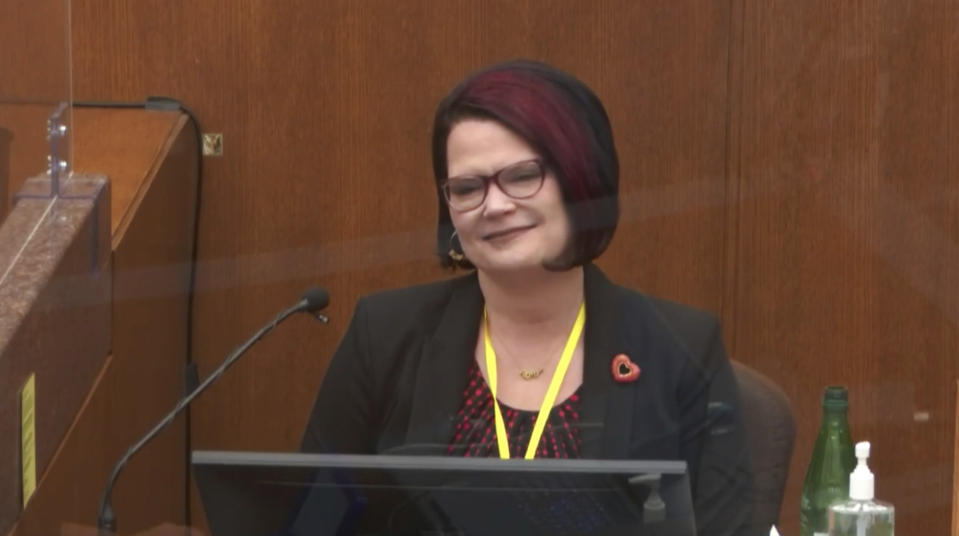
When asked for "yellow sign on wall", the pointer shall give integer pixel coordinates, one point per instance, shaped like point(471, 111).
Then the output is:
point(28, 438)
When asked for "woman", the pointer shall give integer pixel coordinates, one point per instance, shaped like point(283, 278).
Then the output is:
point(527, 181)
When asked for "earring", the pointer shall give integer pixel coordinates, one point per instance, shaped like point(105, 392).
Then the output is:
point(455, 255)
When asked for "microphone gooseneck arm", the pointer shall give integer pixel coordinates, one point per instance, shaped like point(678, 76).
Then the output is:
point(106, 521)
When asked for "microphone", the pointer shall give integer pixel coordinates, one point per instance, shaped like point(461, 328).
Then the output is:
point(312, 302)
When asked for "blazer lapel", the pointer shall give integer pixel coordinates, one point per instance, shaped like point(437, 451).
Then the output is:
point(607, 405)
point(443, 370)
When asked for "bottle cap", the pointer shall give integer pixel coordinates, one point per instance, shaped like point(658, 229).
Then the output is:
point(861, 480)
point(836, 396)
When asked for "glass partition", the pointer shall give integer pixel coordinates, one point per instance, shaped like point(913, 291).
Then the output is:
point(787, 167)
point(35, 94)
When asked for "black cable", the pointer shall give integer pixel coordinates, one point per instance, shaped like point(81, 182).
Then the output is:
point(108, 104)
point(169, 104)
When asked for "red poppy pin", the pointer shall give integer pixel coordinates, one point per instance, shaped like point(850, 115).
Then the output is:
point(623, 369)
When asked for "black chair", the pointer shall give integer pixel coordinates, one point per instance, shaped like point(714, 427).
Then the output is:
point(770, 429)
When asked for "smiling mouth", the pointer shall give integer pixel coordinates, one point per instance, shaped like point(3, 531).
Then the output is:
point(507, 232)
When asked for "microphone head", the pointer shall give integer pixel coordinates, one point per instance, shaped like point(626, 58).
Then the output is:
point(315, 299)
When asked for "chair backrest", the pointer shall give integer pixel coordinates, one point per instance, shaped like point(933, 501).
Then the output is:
point(771, 429)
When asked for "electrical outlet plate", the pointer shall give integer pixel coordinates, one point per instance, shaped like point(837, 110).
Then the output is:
point(213, 144)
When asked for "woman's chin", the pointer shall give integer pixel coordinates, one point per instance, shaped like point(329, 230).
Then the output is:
point(509, 264)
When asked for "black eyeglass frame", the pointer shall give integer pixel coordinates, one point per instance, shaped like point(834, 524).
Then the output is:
point(494, 178)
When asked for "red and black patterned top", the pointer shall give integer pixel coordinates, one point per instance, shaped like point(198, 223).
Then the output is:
point(475, 430)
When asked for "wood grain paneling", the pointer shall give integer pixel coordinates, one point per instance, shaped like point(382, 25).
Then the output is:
point(786, 164)
point(663, 71)
point(23, 132)
point(846, 258)
point(955, 473)
point(35, 51)
point(105, 140)
point(151, 158)
point(35, 65)
point(6, 136)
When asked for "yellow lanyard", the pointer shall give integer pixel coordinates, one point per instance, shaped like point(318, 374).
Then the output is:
point(551, 393)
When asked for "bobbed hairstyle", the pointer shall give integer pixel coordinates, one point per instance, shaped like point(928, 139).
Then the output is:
point(565, 123)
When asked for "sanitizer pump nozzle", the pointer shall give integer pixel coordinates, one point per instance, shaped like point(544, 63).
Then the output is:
point(862, 483)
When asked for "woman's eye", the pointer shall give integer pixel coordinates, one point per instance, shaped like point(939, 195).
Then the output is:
point(461, 188)
point(523, 175)
point(528, 176)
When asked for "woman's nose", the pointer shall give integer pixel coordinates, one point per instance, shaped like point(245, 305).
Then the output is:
point(498, 202)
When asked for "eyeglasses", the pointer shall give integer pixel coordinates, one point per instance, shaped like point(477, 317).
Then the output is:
point(519, 181)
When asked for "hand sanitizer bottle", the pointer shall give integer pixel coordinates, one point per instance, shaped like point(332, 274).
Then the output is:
point(861, 515)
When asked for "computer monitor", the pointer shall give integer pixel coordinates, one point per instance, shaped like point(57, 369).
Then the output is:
point(257, 493)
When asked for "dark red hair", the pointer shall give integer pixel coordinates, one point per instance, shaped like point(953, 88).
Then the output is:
point(564, 121)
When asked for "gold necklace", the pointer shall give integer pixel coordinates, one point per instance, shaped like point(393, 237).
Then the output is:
point(527, 374)
point(530, 374)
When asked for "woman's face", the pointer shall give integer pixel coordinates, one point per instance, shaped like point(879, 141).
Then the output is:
point(504, 234)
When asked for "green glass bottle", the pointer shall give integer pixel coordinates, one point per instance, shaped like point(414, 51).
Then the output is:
point(833, 458)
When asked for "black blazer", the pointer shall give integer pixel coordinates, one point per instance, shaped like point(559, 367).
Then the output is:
point(396, 383)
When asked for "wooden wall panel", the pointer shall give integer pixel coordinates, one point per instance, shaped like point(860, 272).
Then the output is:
point(35, 66)
point(955, 473)
point(35, 33)
point(664, 72)
point(846, 259)
point(787, 164)
point(23, 147)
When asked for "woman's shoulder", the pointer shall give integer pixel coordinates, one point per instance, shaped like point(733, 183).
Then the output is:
point(663, 323)
point(671, 312)
point(639, 304)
